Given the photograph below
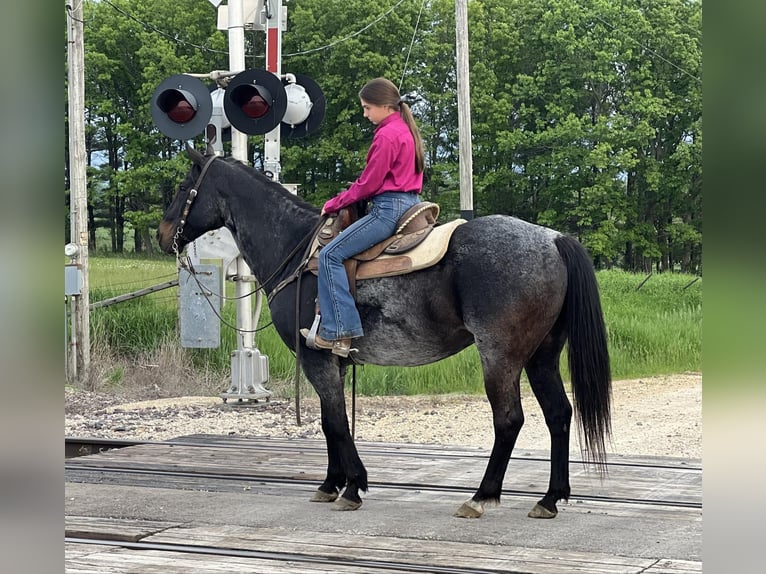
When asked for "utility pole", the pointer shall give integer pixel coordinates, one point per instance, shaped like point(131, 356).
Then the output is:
point(464, 109)
point(77, 250)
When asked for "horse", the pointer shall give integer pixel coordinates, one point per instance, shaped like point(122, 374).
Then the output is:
point(516, 290)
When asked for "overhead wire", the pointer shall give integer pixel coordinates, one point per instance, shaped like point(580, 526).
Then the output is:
point(412, 42)
point(153, 28)
point(642, 45)
point(348, 37)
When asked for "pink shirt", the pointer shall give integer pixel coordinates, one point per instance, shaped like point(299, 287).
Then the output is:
point(390, 166)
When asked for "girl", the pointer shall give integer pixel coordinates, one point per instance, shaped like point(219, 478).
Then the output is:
point(392, 181)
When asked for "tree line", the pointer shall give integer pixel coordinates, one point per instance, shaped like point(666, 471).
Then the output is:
point(586, 114)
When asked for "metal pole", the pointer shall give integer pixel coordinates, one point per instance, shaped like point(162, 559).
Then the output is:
point(78, 183)
point(464, 109)
point(239, 151)
point(249, 368)
point(237, 64)
point(272, 141)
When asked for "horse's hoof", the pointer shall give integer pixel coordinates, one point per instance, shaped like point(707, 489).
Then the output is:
point(346, 504)
point(322, 496)
point(470, 509)
point(540, 511)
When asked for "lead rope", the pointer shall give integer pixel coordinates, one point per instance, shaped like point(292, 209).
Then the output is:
point(353, 401)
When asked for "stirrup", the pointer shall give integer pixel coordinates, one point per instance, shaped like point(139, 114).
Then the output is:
point(311, 336)
point(340, 347)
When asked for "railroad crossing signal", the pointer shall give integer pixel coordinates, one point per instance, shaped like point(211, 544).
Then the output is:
point(254, 102)
point(181, 107)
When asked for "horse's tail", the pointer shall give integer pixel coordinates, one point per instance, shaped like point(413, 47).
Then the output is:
point(588, 353)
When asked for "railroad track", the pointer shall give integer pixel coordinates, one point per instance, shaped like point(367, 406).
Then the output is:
point(92, 446)
point(355, 565)
point(285, 467)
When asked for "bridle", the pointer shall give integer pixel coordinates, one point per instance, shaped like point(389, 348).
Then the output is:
point(189, 200)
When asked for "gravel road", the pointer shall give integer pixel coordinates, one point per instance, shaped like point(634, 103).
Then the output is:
point(652, 416)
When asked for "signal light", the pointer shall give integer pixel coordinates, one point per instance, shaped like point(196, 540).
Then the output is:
point(255, 101)
point(305, 107)
point(181, 106)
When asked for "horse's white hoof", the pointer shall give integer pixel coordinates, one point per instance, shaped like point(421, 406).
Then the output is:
point(541, 512)
point(346, 504)
point(470, 509)
point(321, 496)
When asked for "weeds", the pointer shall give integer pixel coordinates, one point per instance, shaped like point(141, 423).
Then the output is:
point(653, 325)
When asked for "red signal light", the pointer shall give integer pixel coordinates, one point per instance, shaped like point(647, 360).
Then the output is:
point(181, 106)
point(182, 112)
point(177, 107)
point(251, 100)
point(256, 107)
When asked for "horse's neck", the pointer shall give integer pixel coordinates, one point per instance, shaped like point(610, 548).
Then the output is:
point(267, 226)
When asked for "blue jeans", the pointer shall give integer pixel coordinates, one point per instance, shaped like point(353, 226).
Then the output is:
point(340, 318)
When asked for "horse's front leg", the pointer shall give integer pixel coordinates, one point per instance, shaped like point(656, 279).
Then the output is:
point(344, 467)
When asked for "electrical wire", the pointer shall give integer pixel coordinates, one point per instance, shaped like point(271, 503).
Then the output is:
point(345, 38)
point(412, 42)
point(153, 28)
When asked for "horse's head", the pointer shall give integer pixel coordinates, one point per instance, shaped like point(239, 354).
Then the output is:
point(194, 210)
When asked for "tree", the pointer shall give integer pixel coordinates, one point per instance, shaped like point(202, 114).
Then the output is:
point(586, 114)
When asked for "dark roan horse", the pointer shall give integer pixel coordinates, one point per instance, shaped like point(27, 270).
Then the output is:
point(517, 291)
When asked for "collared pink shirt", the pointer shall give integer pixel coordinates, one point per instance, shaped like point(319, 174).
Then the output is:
point(390, 166)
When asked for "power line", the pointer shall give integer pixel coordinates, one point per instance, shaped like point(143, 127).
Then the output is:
point(412, 42)
point(345, 38)
point(153, 28)
point(645, 47)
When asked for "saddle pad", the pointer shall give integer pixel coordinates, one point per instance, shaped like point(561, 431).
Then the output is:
point(428, 253)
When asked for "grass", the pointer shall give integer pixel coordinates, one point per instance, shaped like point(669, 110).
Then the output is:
point(654, 328)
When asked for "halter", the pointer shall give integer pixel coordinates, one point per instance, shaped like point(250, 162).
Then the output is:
point(189, 200)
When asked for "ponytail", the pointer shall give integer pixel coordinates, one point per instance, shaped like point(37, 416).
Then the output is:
point(420, 160)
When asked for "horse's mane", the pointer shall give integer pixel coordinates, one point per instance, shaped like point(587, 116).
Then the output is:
point(264, 180)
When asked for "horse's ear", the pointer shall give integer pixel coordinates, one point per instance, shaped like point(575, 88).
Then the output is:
point(194, 155)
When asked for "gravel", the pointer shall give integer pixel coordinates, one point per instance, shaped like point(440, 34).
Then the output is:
point(653, 416)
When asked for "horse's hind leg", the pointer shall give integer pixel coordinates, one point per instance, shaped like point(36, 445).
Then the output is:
point(502, 385)
point(545, 380)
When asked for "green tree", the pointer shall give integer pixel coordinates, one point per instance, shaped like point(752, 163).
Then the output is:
point(586, 114)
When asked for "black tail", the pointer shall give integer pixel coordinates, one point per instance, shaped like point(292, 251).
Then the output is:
point(588, 352)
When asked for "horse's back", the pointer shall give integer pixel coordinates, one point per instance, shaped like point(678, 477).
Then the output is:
point(507, 267)
point(508, 246)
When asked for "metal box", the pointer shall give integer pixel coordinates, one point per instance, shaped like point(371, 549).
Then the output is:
point(199, 306)
point(72, 280)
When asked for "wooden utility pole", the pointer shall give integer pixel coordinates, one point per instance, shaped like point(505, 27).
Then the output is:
point(464, 109)
point(78, 197)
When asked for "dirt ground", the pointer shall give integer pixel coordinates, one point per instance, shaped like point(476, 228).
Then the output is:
point(652, 416)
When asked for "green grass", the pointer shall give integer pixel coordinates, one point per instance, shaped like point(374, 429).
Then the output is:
point(653, 330)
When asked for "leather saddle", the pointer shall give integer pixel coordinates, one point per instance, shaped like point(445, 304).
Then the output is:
point(418, 242)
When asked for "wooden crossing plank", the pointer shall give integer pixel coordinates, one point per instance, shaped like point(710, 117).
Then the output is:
point(126, 561)
point(347, 554)
point(674, 567)
point(112, 528)
point(462, 469)
point(297, 550)
point(398, 551)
